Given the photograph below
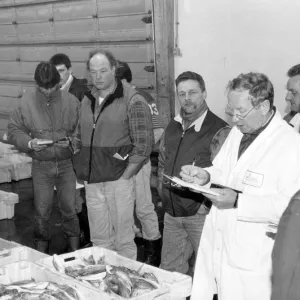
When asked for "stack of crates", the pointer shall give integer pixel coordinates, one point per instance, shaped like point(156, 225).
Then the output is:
point(7, 204)
point(11, 252)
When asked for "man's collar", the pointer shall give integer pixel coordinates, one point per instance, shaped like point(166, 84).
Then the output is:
point(117, 93)
point(54, 96)
point(67, 83)
point(197, 123)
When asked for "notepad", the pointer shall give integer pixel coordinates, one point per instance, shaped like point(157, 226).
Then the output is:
point(192, 186)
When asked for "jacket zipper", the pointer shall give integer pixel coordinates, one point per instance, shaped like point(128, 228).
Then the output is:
point(91, 148)
point(91, 145)
point(172, 173)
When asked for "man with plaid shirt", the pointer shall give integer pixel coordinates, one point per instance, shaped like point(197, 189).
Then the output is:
point(117, 139)
point(144, 207)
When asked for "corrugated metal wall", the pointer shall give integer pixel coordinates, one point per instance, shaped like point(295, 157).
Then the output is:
point(34, 30)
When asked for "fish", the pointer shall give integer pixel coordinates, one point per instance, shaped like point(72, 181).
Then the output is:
point(93, 277)
point(144, 284)
point(58, 263)
point(101, 260)
point(118, 285)
point(43, 290)
point(124, 277)
point(23, 282)
point(88, 270)
point(150, 276)
point(90, 260)
point(70, 291)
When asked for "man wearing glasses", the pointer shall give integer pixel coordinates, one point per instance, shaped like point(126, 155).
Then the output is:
point(257, 174)
point(293, 96)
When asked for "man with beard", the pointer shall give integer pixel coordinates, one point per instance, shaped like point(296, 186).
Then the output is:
point(187, 140)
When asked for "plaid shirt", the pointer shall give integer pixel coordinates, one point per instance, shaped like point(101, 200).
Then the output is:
point(140, 127)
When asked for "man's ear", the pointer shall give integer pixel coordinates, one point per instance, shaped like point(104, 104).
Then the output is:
point(70, 70)
point(204, 95)
point(265, 107)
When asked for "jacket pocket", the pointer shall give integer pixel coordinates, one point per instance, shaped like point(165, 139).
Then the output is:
point(106, 167)
point(245, 246)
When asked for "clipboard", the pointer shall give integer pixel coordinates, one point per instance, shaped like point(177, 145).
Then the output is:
point(192, 186)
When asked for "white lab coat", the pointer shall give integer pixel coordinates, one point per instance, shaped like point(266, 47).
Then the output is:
point(296, 122)
point(234, 257)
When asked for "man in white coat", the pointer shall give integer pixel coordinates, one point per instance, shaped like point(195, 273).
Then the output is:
point(293, 96)
point(257, 167)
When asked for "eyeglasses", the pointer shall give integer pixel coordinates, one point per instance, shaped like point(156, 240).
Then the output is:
point(190, 94)
point(229, 112)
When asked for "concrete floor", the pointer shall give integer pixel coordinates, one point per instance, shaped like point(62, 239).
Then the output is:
point(20, 228)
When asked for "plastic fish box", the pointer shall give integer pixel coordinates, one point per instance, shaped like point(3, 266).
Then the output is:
point(25, 270)
point(6, 245)
point(7, 204)
point(5, 174)
point(11, 252)
point(178, 285)
point(18, 164)
point(21, 171)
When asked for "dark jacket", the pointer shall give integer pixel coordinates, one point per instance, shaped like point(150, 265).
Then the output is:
point(106, 137)
point(79, 88)
point(181, 148)
point(286, 254)
point(44, 118)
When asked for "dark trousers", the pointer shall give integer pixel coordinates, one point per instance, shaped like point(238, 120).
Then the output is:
point(46, 175)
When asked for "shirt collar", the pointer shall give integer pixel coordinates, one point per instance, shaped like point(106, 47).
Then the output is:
point(197, 123)
point(68, 82)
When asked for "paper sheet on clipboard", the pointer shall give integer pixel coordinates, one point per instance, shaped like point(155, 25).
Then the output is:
point(193, 186)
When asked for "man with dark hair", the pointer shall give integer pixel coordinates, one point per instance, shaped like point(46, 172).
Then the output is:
point(44, 126)
point(144, 206)
point(186, 140)
point(68, 82)
point(117, 139)
point(255, 176)
point(78, 88)
point(293, 96)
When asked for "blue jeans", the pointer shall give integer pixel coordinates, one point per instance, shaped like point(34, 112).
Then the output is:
point(46, 175)
point(110, 210)
point(181, 238)
point(144, 207)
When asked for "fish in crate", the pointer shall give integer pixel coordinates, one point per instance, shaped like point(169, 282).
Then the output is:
point(117, 280)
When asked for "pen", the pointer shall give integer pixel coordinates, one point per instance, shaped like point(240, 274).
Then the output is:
point(192, 168)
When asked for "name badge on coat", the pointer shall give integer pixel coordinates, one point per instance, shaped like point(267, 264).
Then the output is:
point(253, 179)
